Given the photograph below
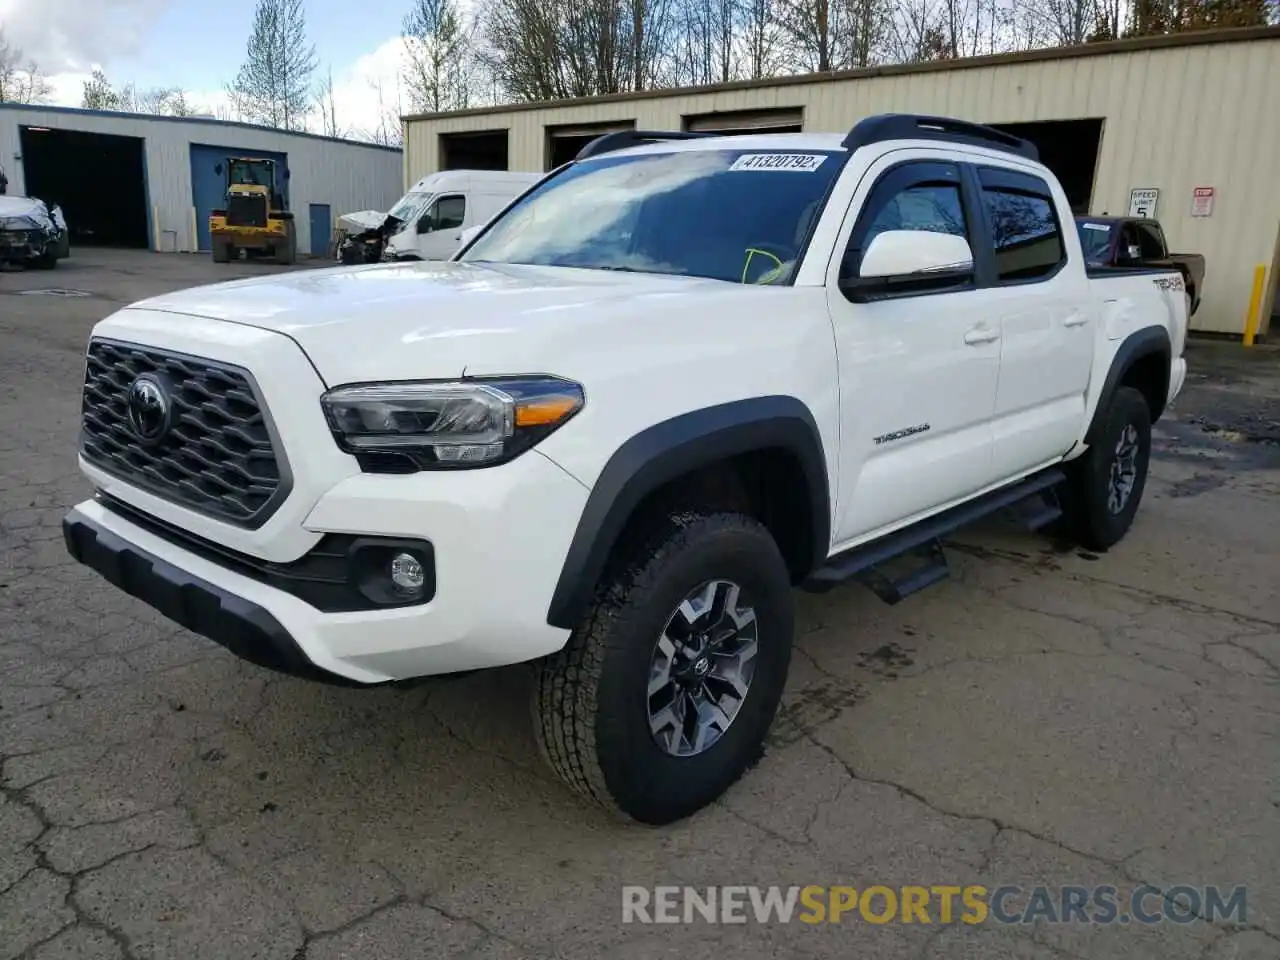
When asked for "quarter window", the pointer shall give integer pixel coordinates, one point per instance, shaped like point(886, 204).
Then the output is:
point(1024, 228)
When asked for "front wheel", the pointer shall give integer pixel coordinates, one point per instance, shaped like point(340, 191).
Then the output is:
point(662, 696)
point(1104, 487)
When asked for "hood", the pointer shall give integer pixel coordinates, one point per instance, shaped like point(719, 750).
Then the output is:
point(431, 318)
point(361, 220)
point(25, 207)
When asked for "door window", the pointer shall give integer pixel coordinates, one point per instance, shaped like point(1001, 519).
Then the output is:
point(447, 213)
point(921, 196)
point(1150, 241)
point(1024, 226)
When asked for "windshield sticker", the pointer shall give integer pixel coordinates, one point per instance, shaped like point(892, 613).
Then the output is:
point(786, 162)
point(1096, 226)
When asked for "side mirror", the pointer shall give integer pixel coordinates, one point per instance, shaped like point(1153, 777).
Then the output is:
point(908, 261)
point(1133, 252)
point(426, 222)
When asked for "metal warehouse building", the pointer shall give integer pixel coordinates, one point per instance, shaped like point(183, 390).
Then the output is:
point(149, 182)
point(1185, 127)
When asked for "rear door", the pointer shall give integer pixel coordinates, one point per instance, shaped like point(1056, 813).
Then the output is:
point(1039, 294)
point(918, 368)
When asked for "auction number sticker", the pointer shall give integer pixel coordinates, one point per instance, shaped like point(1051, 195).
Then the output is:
point(786, 162)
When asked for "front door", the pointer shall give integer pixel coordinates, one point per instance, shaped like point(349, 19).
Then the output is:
point(440, 227)
point(919, 367)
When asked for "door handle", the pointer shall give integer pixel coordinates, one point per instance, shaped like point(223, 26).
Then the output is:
point(1076, 320)
point(980, 335)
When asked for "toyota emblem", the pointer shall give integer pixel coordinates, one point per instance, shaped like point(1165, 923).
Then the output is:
point(148, 409)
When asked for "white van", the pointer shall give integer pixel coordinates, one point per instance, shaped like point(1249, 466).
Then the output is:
point(439, 207)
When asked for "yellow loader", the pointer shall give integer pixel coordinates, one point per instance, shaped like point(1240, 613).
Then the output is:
point(256, 218)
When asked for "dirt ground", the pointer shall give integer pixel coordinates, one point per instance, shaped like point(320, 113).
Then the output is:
point(1046, 717)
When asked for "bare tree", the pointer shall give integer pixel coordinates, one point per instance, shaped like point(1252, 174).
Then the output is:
point(438, 57)
point(20, 82)
point(274, 83)
point(761, 38)
point(387, 131)
point(706, 41)
point(328, 110)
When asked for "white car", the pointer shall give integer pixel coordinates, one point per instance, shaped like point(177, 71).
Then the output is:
point(32, 233)
point(680, 377)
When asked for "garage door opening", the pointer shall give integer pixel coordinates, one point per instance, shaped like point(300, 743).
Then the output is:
point(474, 151)
point(1070, 149)
point(739, 122)
point(98, 179)
point(563, 143)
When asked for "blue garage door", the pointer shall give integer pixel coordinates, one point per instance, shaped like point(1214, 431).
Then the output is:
point(321, 218)
point(208, 187)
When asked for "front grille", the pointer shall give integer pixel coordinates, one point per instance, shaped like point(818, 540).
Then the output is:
point(217, 457)
point(246, 211)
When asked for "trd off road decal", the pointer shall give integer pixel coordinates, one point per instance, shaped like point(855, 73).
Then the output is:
point(1168, 283)
point(780, 162)
point(900, 434)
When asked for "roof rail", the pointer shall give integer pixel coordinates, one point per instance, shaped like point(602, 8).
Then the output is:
point(621, 139)
point(908, 126)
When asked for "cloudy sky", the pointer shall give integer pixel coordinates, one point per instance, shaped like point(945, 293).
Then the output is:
point(198, 45)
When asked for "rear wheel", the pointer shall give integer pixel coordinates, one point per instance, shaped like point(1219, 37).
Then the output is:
point(663, 695)
point(221, 251)
point(1104, 487)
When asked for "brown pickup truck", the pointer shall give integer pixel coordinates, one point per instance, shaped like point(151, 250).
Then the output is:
point(1137, 243)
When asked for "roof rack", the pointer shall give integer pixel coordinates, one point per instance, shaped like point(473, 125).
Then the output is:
point(621, 139)
point(907, 126)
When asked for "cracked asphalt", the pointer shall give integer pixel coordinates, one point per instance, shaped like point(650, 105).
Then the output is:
point(1047, 716)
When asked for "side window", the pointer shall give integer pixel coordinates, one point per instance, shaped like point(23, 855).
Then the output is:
point(1150, 241)
point(450, 212)
point(930, 208)
point(920, 196)
point(1024, 227)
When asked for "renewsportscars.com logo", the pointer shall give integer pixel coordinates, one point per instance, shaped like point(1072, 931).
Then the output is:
point(945, 904)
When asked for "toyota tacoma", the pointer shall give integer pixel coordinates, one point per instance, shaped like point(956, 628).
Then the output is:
point(670, 382)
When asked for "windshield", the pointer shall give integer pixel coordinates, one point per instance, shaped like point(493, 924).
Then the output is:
point(411, 206)
point(257, 173)
point(734, 215)
point(1095, 238)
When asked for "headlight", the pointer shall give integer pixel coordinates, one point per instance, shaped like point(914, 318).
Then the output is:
point(402, 427)
point(18, 223)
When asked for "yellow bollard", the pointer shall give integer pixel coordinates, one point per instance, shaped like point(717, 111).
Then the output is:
point(1255, 305)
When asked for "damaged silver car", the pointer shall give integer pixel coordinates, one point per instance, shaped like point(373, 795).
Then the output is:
point(32, 233)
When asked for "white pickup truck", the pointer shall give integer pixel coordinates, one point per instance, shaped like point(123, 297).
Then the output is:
point(670, 382)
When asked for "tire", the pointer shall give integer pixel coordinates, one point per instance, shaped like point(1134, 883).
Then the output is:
point(592, 709)
point(1090, 514)
point(221, 251)
point(46, 261)
point(287, 254)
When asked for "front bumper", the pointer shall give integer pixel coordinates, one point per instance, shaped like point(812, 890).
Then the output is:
point(20, 246)
point(498, 538)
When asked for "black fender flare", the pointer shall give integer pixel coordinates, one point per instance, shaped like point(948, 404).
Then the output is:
point(673, 448)
point(1138, 345)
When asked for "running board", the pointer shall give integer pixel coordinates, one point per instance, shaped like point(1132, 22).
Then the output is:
point(922, 542)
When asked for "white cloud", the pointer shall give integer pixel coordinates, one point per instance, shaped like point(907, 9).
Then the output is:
point(64, 36)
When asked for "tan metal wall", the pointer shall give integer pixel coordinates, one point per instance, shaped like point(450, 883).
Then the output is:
point(1176, 117)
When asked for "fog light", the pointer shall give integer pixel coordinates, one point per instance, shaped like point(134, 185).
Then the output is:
point(407, 573)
